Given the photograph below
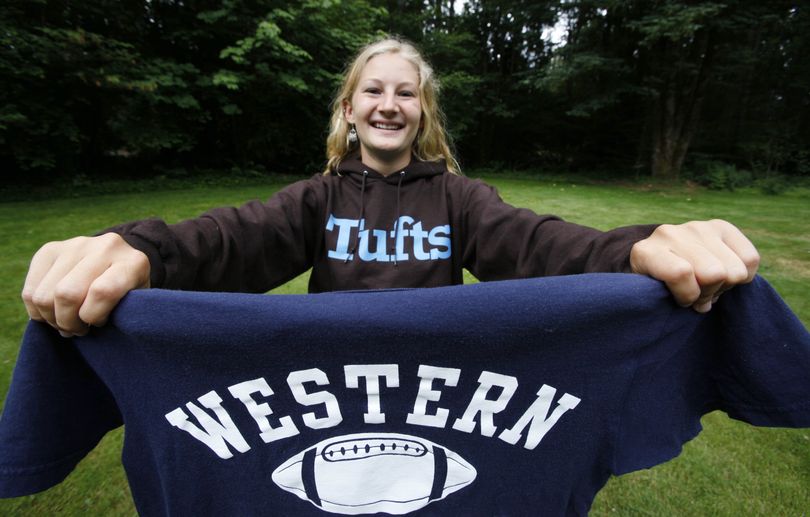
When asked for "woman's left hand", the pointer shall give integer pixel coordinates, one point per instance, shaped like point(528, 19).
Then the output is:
point(698, 260)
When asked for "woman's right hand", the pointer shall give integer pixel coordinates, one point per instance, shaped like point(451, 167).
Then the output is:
point(76, 283)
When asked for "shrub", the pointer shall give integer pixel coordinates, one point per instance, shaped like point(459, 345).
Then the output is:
point(723, 176)
point(773, 185)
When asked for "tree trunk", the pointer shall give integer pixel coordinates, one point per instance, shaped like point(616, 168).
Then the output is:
point(666, 162)
point(677, 112)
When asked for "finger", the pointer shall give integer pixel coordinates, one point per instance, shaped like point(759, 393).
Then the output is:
point(39, 267)
point(71, 291)
point(710, 270)
point(728, 259)
point(732, 272)
point(731, 248)
point(745, 251)
point(108, 288)
point(44, 294)
point(676, 272)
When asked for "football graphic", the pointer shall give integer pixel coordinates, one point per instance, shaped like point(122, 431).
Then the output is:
point(369, 473)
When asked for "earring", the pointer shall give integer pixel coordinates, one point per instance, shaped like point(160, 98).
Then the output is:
point(352, 137)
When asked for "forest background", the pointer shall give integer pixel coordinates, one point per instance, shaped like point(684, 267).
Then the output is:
point(714, 91)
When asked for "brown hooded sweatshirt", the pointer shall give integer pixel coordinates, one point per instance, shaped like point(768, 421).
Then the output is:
point(358, 229)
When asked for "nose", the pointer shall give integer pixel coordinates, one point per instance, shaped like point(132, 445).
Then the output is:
point(388, 103)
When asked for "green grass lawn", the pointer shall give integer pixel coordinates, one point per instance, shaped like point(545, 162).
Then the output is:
point(730, 469)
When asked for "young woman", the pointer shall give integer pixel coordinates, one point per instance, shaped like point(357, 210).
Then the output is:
point(391, 210)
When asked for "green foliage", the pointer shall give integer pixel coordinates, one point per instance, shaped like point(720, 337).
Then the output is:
point(460, 85)
point(674, 21)
point(723, 176)
point(719, 175)
point(267, 37)
point(561, 76)
point(772, 151)
point(28, 122)
point(458, 93)
point(160, 111)
point(93, 86)
point(230, 80)
point(773, 185)
point(274, 82)
point(158, 84)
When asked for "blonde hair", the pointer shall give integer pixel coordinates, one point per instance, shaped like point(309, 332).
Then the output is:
point(431, 141)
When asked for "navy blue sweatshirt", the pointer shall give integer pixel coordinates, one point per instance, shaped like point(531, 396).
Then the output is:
point(501, 398)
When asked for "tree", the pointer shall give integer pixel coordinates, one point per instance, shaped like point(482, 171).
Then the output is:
point(763, 109)
point(640, 72)
point(503, 41)
point(140, 86)
point(275, 82)
point(677, 45)
point(98, 84)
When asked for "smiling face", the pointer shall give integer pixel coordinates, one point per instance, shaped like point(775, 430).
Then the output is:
point(386, 110)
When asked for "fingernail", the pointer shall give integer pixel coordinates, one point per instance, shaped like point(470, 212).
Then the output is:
point(65, 334)
point(703, 307)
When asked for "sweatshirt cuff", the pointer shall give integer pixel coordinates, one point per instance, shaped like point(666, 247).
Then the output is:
point(631, 235)
point(157, 273)
point(128, 231)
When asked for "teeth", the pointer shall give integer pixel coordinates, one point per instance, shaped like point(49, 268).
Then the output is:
point(379, 125)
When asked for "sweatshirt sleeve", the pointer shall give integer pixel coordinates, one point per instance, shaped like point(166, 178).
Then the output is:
point(253, 248)
point(499, 241)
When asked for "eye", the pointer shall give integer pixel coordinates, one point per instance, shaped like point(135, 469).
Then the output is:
point(407, 93)
point(372, 90)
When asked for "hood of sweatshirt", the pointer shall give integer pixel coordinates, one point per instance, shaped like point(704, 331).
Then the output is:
point(354, 169)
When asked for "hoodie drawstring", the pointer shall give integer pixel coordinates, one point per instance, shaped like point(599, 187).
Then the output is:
point(359, 219)
point(396, 221)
